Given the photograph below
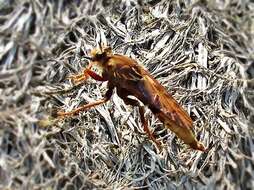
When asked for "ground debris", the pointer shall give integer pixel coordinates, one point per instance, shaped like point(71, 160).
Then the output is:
point(201, 51)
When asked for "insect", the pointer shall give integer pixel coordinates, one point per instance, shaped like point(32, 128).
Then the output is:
point(131, 79)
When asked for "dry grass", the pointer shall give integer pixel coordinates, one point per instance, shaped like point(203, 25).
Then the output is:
point(202, 52)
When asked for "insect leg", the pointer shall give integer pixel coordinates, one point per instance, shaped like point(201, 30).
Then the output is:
point(87, 72)
point(89, 105)
point(146, 128)
point(95, 76)
point(122, 94)
point(81, 77)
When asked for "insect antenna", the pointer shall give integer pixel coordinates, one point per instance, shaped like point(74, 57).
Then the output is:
point(89, 58)
point(100, 44)
point(102, 41)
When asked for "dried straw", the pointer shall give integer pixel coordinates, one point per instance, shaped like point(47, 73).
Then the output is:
point(201, 51)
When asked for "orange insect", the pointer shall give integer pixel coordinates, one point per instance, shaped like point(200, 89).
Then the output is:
point(129, 78)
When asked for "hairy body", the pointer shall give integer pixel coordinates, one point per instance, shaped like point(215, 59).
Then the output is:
point(131, 79)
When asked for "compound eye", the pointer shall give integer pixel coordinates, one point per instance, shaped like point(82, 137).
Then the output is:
point(100, 55)
point(108, 49)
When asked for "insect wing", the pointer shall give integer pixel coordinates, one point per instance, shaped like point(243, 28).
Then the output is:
point(172, 114)
point(167, 105)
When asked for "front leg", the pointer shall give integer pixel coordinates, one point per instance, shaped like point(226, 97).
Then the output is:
point(81, 77)
point(86, 73)
point(89, 105)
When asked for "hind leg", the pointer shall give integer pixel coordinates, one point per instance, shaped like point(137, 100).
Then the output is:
point(123, 94)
